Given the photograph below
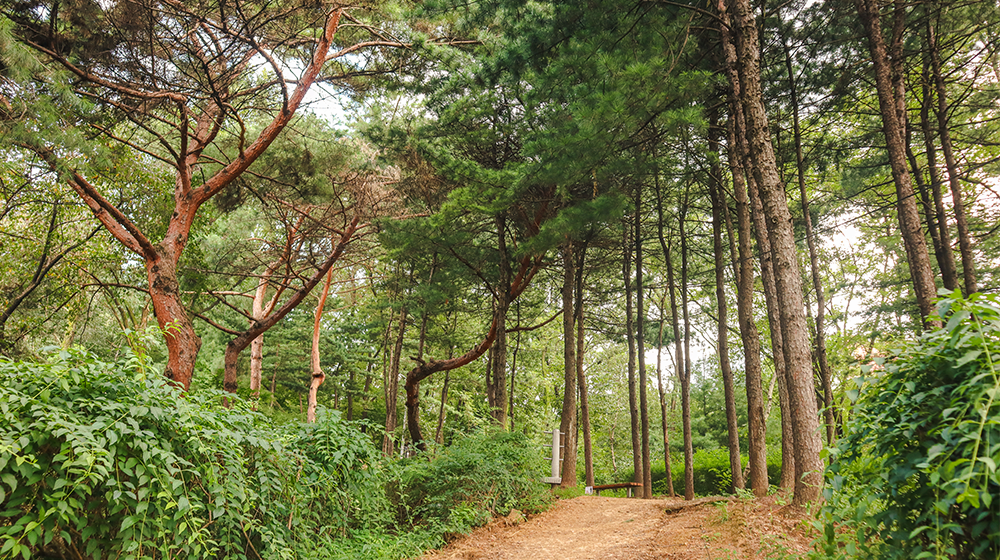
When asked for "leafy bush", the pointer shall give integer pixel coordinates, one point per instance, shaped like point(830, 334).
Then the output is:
point(712, 475)
point(474, 479)
point(107, 460)
point(916, 475)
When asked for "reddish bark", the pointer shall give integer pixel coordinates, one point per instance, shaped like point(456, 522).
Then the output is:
point(161, 258)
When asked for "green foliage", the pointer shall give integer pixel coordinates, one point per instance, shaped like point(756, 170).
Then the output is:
point(469, 482)
point(712, 475)
point(916, 475)
point(101, 460)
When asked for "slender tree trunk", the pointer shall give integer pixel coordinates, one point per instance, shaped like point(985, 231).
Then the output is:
point(568, 425)
point(271, 318)
point(663, 398)
point(781, 373)
point(680, 361)
point(820, 337)
point(317, 377)
point(714, 188)
point(794, 329)
point(640, 317)
point(893, 127)
point(581, 376)
point(939, 225)
point(743, 255)
point(756, 211)
point(944, 133)
point(633, 401)
point(513, 369)
point(439, 434)
point(392, 385)
point(496, 386)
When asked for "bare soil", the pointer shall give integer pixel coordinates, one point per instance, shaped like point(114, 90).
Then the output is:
point(591, 527)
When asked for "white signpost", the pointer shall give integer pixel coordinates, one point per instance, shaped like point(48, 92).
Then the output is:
point(555, 445)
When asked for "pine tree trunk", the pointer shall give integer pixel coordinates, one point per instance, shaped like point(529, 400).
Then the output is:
point(663, 400)
point(164, 292)
point(820, 335)
point(633, 401)
point(757, 415)
point(317, 376)
point(794, 329)
point(939, 224)
point(640, 317)
point(496, 386)
point(958, 203)
point(893, 127)
point(735, 462)
point(581, 377)
point(568, 425)
point(680, 348)
point(392, 386)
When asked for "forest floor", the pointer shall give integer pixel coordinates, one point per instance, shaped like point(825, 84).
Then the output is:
point(591, 527)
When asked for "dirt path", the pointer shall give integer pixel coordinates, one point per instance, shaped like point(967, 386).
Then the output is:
point(591, 527)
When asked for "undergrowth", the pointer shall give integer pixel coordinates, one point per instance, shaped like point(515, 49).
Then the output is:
point(916, 475)
point(107, 460)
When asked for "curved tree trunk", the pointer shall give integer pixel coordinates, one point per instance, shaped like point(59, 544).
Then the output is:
point(317, 376)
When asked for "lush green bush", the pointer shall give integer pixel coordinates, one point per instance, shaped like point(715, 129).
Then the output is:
point(477, 477)
point(107, 460)
point(916, 475)
point(712, 475)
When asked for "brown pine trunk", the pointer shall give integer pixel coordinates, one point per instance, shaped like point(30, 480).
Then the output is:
point(663, 398)
point(743, 255)
point(820, 334)
point(568, 425)
point(715, 171)
point(787, 479)
point(756, 211)
point(937, 220)
point(160, 259)
point(581, 377)
point(496, 383)
point(633, 401)
point(243, 339)
point(681, 362)
point(391, 386)
point(893, 127)
point(944, 133)
point(640, 317)
point(794, 329)
point(665, 247)
point(164, 292)
point(316, 368)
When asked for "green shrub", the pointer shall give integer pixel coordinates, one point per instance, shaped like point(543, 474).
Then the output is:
point(106, 460)
point(916, 475)
point(467, 483)
point(712, 475)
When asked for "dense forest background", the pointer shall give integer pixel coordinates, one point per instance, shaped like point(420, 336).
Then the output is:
point(683, 233)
